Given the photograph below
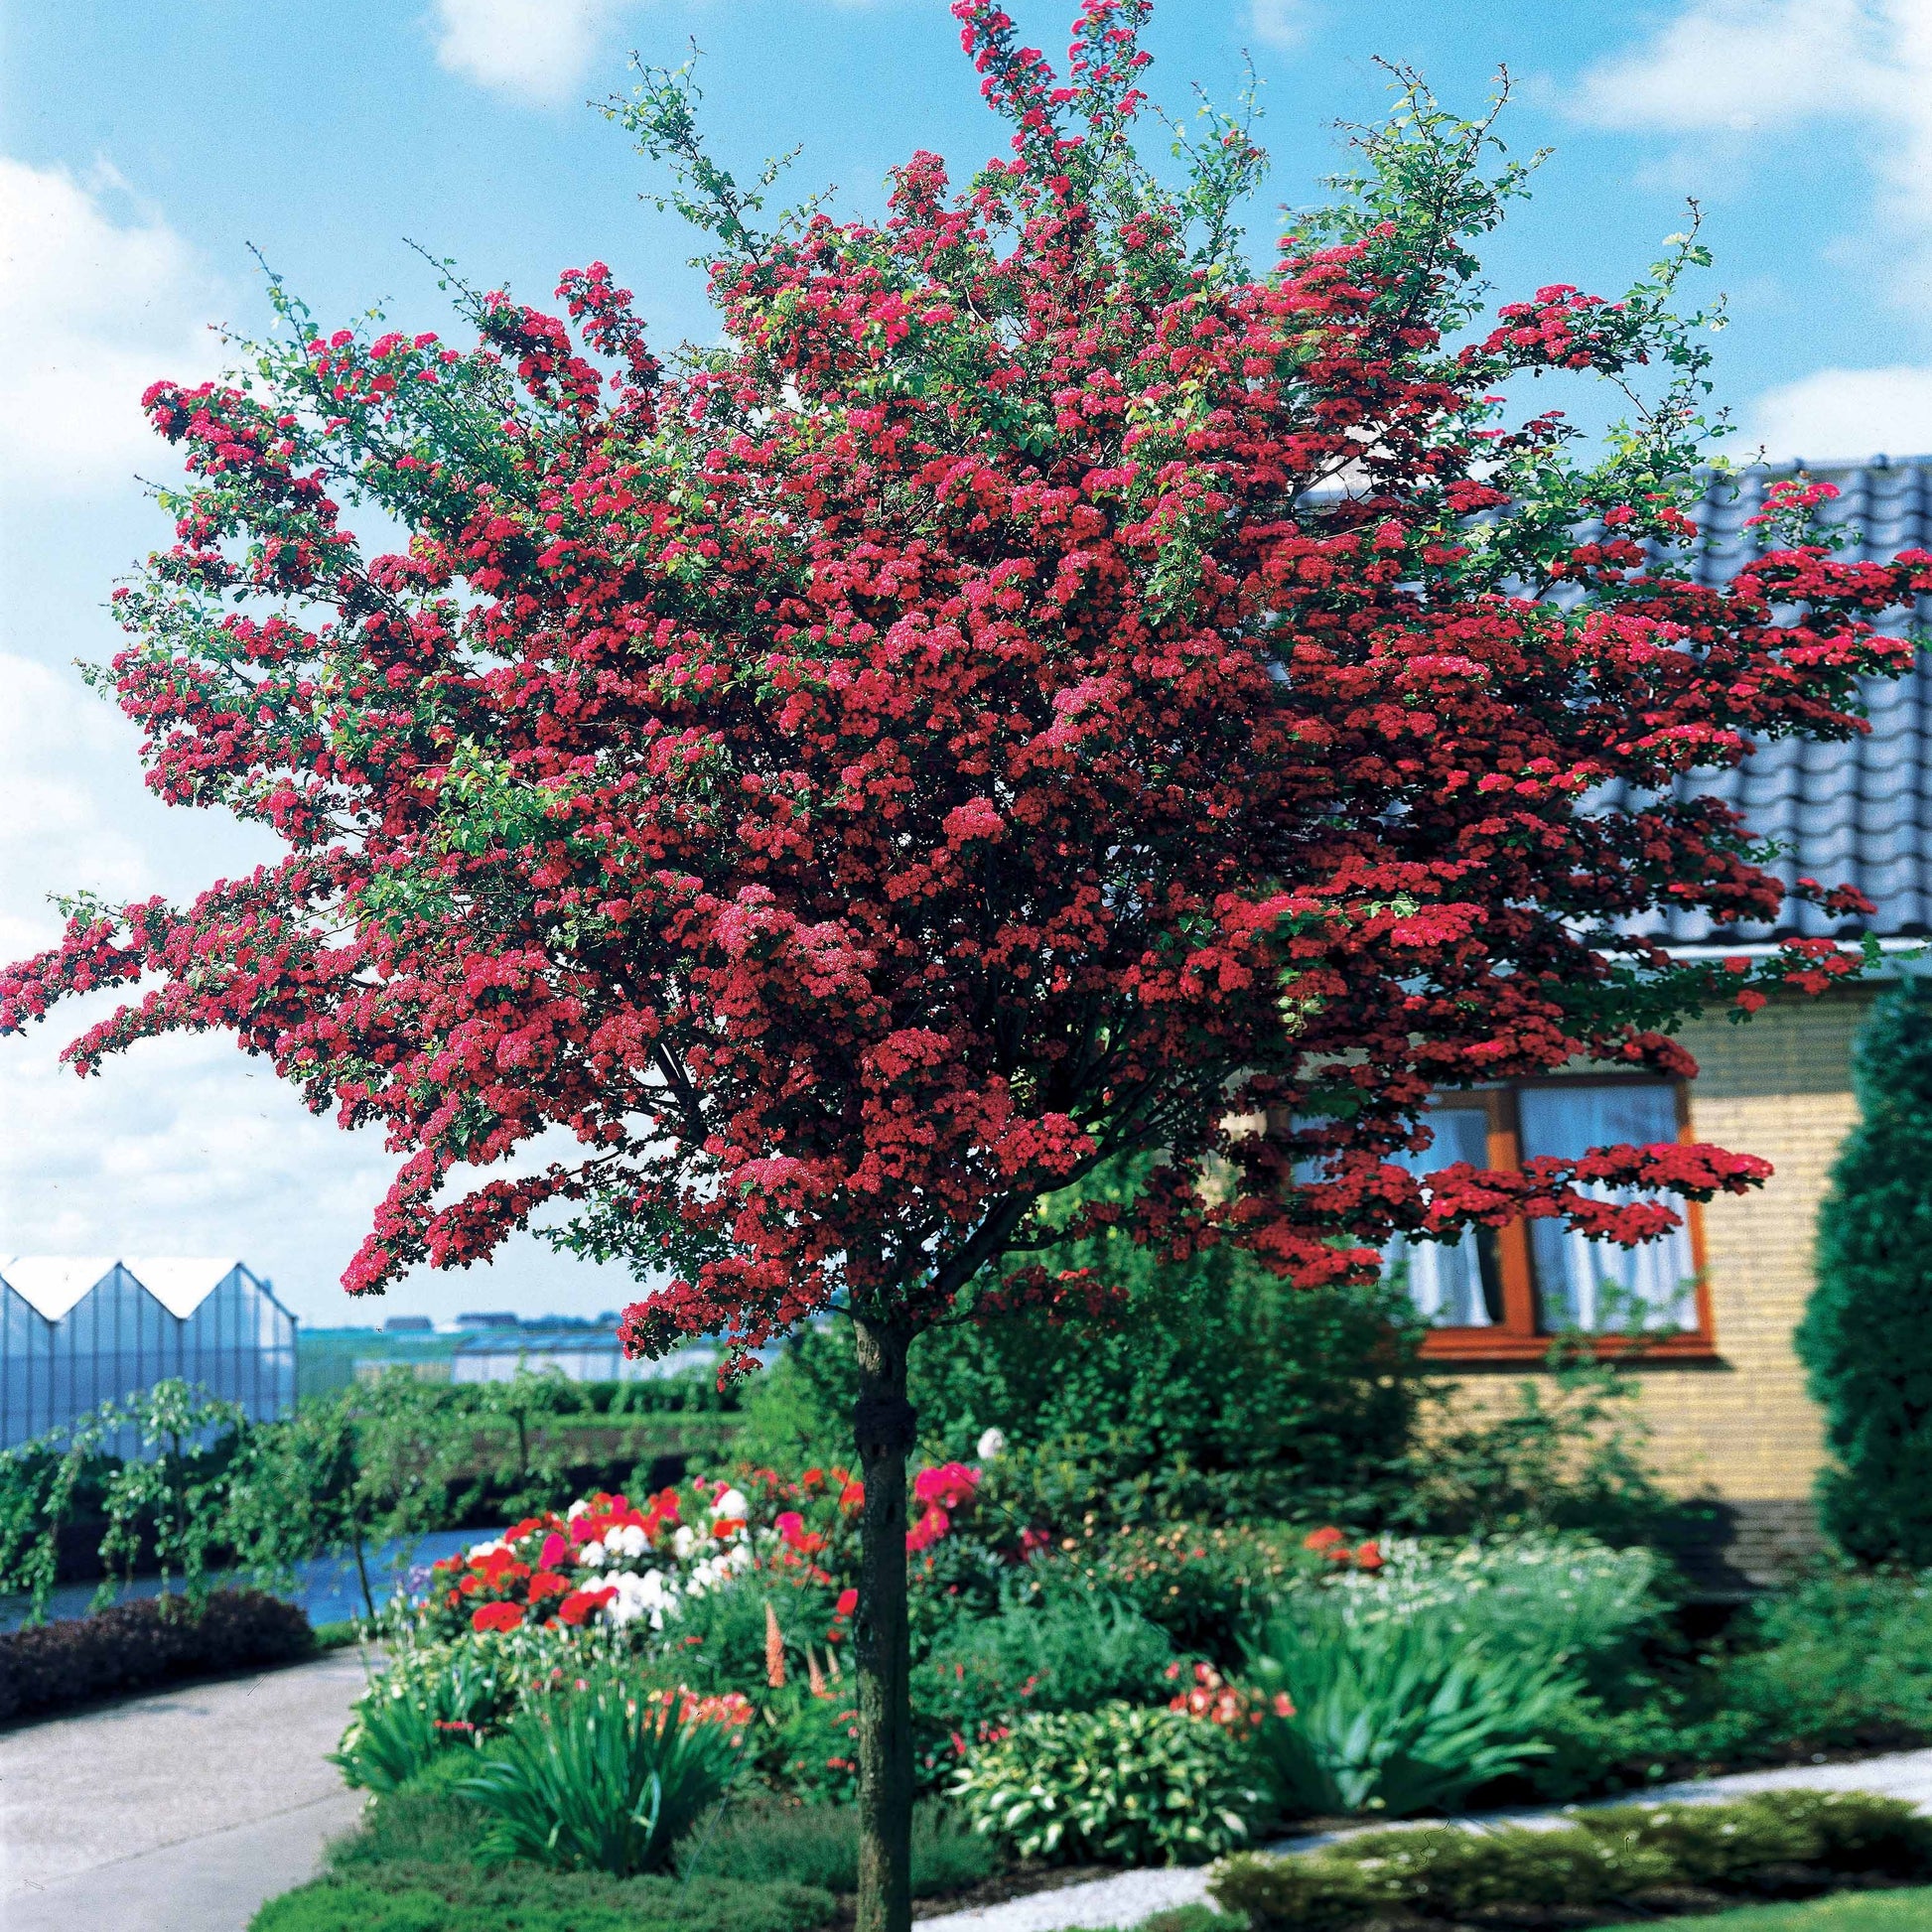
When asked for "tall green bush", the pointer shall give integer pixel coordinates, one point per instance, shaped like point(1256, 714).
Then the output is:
point(1866, 1337)
point(1220, 1393)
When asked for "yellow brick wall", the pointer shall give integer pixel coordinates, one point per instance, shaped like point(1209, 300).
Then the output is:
point(1742, 1430)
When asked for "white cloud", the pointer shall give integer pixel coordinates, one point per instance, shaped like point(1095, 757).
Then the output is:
point(184, 1146)
point(1846, 414)
point(1748, 71)
point(1279, 24)
point(539, 50)
point(92, 309)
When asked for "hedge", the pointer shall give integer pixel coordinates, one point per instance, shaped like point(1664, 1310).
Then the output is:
point(148, 1641)
point(521, 1898)
point(1631, 1862)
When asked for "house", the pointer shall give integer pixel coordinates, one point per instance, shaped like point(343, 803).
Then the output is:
point(76, 1331)
point(1720, 1385)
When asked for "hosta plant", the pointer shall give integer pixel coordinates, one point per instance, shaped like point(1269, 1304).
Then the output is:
point(1121, 1784)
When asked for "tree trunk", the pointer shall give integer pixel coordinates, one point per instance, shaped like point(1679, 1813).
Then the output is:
point(884, 1425)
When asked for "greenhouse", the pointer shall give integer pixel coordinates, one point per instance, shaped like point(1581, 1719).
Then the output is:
point(75, 1331)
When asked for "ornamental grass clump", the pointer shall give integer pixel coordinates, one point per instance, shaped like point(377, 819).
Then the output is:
point(1394, 1715)
point(608, 1777)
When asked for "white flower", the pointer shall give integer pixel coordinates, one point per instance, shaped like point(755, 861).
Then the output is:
point(591, 1554)
point(630, 1541)
point(685, 1541)
point(485, 1547)
point(730, 1502)
point(579, 1508)
point(991, 1443)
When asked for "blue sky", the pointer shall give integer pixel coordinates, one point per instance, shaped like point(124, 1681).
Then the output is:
point(143, 147)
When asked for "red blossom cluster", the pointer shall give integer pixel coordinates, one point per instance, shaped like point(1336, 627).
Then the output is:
point(1215, 1701)
point(1038, 689)
point(942, 1490)
point(1329, 1544)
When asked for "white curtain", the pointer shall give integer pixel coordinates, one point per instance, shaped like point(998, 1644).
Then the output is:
point(1444, 1279)
point(1597, 1286)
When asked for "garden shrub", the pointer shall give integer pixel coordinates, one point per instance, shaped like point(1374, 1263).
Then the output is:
point(1202, 1586)
point(1560, 1595)
point(1864, 1338)
point(1219, 1392)
point(146, 1641)
point(1441, 1875)
point(819, 1844)
point(1397, 1714)
point(1120, 1785)
point(1068, 1649)
point(606, 1778)
point(461, 1897)
point(1802, 1673)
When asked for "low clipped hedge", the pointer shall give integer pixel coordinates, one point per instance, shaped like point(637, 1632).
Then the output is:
point(147, 1641)
point(438, 1898)
point(1631, 1862)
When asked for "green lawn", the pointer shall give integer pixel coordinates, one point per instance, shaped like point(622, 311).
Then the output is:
point(1848, 1911)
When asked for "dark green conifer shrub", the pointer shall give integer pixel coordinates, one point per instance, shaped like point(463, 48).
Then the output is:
point(1866, 1337)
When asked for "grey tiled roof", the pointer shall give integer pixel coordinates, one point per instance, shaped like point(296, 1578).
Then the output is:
point(1857, 813)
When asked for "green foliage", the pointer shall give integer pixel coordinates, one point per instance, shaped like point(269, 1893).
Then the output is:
point(1442, 1874)
point(1120, 1785)
point(1201, 1586)
point(166, 1505)
point(428, 1702)
point(1069, 1649)
point(1399, 1714)
point(1546, 1593)
point(406, 1896)
point(602, 1778)
point(1846, 1832)
point(1571, 1454)
point(1864, 1337)
point(819, 1844)
point(1803, 1674)
point(1222, 1394)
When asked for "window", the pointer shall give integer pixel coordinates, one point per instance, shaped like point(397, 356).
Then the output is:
point(1500, 1294)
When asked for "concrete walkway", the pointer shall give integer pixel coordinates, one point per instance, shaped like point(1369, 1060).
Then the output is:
point(179, 1812)
point(1134, 1895)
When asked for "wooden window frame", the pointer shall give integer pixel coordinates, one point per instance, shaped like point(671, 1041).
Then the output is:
point(1516, 1339)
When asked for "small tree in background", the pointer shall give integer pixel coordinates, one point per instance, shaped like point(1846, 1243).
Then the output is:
point(1034, 691)
point(1866, 1336)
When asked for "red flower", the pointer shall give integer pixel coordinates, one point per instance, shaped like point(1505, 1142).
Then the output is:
point(546, 1583)
point(847, 1604)
point(928, 1529)
point(1323, 1539)
point(582, 1605)
point(1369, 1555)
point(497, 1617)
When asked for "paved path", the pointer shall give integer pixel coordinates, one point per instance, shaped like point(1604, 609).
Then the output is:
point(1134, 1895)
point(179, 1812)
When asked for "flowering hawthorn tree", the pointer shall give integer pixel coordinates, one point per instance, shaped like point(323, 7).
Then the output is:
point(1037, 690)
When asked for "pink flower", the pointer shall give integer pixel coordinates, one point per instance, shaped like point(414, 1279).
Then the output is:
point(554, 1551)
